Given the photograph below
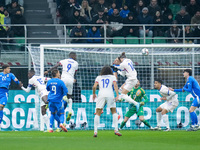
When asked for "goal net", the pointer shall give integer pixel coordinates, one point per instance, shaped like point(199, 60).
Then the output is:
point(165, 61)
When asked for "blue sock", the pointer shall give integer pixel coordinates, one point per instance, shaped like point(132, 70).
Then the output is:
point(193, 117)
point(57, 119)
point(52, 120)
point(62, 118)
point(65, 104)
point(1, 116)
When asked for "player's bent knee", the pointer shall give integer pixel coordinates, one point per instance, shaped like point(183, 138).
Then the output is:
point(158, 109)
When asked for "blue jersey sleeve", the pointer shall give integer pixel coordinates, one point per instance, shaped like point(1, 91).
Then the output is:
point(188, 85)
point(178, 90)
point(13, 78)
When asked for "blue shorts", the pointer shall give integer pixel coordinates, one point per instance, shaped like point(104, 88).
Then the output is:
point(3, 96)
point(196, 102)
point(55, 106)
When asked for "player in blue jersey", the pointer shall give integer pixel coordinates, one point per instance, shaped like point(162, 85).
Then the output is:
point(5, 80)
point(57, 90)
point(193, 87)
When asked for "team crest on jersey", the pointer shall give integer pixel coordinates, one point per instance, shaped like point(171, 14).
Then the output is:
point(7, 75)
point(138, 92)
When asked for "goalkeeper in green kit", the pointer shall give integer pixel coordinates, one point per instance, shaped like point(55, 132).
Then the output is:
point(138, 94)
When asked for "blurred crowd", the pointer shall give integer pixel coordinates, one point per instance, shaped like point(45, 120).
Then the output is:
point(118, 13)
point(11, 12)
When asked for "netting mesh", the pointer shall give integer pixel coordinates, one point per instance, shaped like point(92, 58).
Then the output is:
point(166, 63)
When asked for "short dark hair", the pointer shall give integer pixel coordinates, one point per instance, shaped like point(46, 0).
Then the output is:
point(5, 66)
point(72, 54)
point(159, 80)
point(188, 71)
point(31, 71)
point(54, 72)
point(106, 70)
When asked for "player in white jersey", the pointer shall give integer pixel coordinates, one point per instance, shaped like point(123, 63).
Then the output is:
point(127, 69)
point(106, 80)
point(168, 106)
point(69, 68)
point(39, 83)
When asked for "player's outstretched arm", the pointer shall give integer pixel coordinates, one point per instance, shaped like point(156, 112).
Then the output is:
point(54, 67)
point(27, 90)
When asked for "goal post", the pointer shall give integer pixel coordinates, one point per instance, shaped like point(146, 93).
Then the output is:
point(165, 61)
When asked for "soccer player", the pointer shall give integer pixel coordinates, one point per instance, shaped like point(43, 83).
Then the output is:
point(193, 87)
point(168, 106)
point(137, 93)
point(39, 83)
point(5, 80)
point(127, 68)
point(57, 90)
point(106, 95)
point(69, 67)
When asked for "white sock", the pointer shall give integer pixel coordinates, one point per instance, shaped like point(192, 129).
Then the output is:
point(70, 105)
point(96, 122)
point(158, 116)
point(128, 99)
point(115, 121)
point(46, 120)
point(166, 120)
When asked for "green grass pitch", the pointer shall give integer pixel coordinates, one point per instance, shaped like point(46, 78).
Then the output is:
point(84, 140)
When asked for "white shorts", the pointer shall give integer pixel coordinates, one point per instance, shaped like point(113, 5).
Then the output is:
point(168, 106)
point(42, 94)
point(129, 84)
point(69, 84)
point(101, 101)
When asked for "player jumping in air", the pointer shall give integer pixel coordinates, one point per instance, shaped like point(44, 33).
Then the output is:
point(127, 68)
point(69, 67)
point(193, 87)
point(39, 83)
point(137, 93)
point(57, 92)
point(5, 80)
point(106, 95)
point(168, 106)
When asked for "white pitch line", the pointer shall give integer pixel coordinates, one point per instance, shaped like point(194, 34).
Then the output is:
point(19, 137)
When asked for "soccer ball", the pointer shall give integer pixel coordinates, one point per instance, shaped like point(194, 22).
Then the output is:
point(145, 51)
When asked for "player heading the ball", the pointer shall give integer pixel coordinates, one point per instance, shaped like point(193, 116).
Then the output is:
point(127, 69)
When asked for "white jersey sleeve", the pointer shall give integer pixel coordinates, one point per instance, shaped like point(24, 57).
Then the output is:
point(128, 68)
point(170, 95)
point(69, 67)
point(106, 85)
point(38, 83)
